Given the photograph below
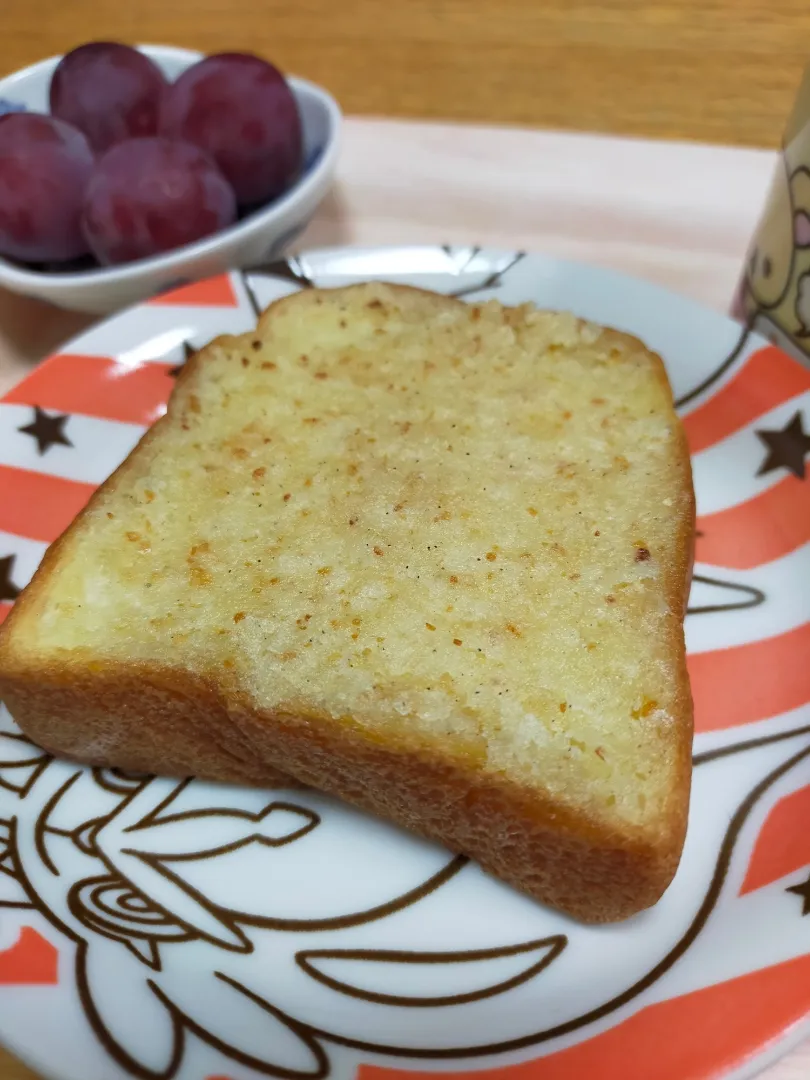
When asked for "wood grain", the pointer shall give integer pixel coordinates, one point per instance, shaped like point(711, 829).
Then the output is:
point(11, 1069)
point(715, 70)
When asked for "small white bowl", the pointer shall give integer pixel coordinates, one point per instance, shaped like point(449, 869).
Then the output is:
point(258, 238)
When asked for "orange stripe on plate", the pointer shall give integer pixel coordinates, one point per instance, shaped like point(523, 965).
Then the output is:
point(751, 682)
point(37, 506)
point(97, 386)
point(4, 610)
point(213, 292)
point(32, 961)
point(699, 1035)
point(768, 378)
point(783, 844)
point(757, 531)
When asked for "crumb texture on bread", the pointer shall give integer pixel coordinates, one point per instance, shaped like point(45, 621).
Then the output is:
point(459, 533)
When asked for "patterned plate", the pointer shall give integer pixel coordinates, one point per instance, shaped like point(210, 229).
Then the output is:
point(157, 929)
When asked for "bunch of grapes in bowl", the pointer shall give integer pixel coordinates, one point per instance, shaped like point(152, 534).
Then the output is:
point(128, 165)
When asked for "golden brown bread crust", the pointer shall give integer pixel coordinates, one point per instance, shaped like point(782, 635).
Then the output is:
point(104, 714)
point(564, 860)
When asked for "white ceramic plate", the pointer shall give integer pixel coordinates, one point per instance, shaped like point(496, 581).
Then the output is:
point(157, 929)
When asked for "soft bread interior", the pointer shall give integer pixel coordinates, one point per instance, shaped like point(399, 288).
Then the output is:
point(462, 530)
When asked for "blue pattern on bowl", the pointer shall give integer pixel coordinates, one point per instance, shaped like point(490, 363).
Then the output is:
point(7, 106)
point(312, 160)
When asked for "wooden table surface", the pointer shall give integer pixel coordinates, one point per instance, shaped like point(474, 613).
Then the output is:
point(722, 71)
point(717, 70)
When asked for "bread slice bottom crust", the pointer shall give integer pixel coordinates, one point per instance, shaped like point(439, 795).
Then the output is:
point(561, 859)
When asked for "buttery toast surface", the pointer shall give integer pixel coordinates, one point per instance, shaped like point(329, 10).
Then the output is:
point(429, 557)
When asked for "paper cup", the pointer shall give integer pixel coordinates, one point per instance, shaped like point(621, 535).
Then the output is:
point(773, 295)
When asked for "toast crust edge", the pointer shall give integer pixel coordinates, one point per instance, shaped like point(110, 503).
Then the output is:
point(120, 714)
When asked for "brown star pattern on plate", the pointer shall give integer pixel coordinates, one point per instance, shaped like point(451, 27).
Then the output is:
point(188, 352)
point(47, 430)
point(291, 269)
point(740, 596)
point(802, 890)
point(8, 590)
point(787, 448)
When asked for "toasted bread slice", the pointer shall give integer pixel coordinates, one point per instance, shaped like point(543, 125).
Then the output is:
point(429, 557)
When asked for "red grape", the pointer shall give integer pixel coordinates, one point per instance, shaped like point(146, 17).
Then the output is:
point(45, 166)
point(111, 92)
point(240, 110)
point(152, 195)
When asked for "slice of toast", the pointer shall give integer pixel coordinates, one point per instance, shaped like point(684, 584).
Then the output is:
point(429, 557)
